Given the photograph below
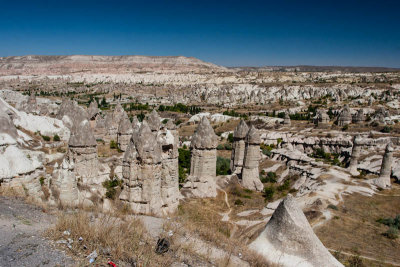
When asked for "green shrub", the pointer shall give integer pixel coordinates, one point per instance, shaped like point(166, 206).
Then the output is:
point(249, 191)
point(164, 121)
point(56, 138)
point(374, 124)
point(184, 164)
point(230, 138)
point(331, 206)
point(111, 186)
point(345, 128)
point(269, 192)
point(271, 177)
point(46, 138)
point(392, 233)
point(285, 186)
point(356, 261)
point(238, 202)
point(113, 144)
point(223, 166)
point(228, 146)
point(41, 180)
point(386, 129)
point(220, 147)
point(178, 122)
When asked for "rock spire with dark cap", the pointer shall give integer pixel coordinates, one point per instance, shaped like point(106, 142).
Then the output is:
point(289, 240)
point(238, 146)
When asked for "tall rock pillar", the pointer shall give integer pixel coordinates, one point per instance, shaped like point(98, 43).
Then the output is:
point(250, 172)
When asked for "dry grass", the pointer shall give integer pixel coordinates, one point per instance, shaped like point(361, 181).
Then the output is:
point(356, 231)
point(112, 237)
point(202, 217)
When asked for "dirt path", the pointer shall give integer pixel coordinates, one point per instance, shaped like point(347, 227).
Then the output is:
point(225, 216)
point(21, 240)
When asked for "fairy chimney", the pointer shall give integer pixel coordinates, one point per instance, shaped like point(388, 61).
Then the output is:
point(142, 173)
point(124, 132)
point(238, 147)
point(202, 179)
point(386, 168)
point(355, 154)
point(250, 172)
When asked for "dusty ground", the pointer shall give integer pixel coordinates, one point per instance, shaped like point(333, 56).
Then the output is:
point(353, 228)
point(21, 241)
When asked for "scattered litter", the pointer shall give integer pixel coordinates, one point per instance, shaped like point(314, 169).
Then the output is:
point(61, 241)
point(111, 264)
point(70, 240)
point(240, 255)
point(162, 246)
point(66, 232)
point(84, 247)
point(170, 233)
point(92, 256)
point(69, 246)
point(80, 239)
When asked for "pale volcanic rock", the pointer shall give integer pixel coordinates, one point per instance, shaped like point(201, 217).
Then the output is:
point(113, 120)
point(82, 150)
point(355, 154)
point(359, 117)
point(65, 185)
point(286, 119)
point(93, 110)
point(7, 129)
point(154, 121)
point(288, 239)
point(71, 113)
point(250, 176)
point(30, 105)
point(124, 132)
point(345, 117)
point(386, 168)
point(169, 139)
point(202, 179)
point(142, 171)
point(321, 118)
point(238, 147)
point(204, 137)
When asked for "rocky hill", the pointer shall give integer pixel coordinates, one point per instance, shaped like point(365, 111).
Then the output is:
point(59, 65)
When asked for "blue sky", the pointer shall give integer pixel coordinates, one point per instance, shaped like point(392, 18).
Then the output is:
point(229, 33)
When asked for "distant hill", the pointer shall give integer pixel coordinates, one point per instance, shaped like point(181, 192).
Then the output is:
point(37, 65)
point(305, 68)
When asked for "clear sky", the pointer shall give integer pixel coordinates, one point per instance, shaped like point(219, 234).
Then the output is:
point(229, 33)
